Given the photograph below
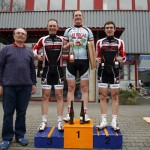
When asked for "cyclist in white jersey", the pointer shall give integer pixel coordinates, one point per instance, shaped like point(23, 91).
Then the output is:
point(77, 38)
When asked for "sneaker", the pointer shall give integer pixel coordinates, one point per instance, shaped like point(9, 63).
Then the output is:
point(22, 141)
point(60, 126)
point(115, 126)
point(42, 126)
point(102, 125)
point(4, 145)
point(87, 119)
point(67, 118)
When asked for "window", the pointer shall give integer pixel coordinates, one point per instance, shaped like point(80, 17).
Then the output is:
point(40, 5)
point(141, 5)
point(55, 4)
point(18, 5)
point(70, 4)
point(109, 4)
point(4, 5)
point(125, 4)
point(86, 4)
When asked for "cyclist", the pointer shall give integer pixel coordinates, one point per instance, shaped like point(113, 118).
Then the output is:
point(77, 37)
point(52, 72)
point(110, 52)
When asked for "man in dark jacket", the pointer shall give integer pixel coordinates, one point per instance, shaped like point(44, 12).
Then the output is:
point(17, 83)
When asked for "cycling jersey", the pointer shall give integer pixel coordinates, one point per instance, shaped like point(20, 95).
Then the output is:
point(53, 72)
point(52, 45)
point(108, 49)
point(79, 36)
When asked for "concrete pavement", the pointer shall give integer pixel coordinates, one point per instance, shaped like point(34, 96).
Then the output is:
point(136, 132)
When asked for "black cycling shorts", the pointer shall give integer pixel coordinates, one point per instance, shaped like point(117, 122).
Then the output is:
point(52, 76)
point(108, 75)
point(81, 65)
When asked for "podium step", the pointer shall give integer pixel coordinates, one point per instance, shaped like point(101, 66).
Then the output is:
point(49, 138)
point(78, 135)
point(107, 138)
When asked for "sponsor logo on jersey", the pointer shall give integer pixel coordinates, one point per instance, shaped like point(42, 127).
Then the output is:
point(53, 47)
point(78, 35)
point(43, 81)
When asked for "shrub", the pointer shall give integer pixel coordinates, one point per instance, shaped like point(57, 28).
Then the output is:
point(127, 97)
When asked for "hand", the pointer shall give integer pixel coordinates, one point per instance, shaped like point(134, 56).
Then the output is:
point(39, 57)
point(1, 90)
point(98, 60)
point(71, 44)
point(33, 89)
point(119, 59)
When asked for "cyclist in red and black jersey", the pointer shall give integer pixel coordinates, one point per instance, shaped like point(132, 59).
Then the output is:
point(52, 72)
point(110, 54)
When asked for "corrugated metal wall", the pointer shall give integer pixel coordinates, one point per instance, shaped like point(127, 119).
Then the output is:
point(136, 23)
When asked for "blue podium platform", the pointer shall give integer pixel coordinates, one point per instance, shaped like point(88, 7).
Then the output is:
point(49, 138)
point(107, 138)
point(52, 138)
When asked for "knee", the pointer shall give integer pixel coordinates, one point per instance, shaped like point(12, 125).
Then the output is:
point(84, 89)
point(71, 88)
point(45, 97)
point(59, 97)
point(114, 96)
point(103, 96)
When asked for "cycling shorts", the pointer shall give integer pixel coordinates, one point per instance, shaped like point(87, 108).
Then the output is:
point(108, 76)
point(52, 76)
point(81, 65)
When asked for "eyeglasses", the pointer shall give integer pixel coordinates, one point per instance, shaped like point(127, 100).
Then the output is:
point(22, 33)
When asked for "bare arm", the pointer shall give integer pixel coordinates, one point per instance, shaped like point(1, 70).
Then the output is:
point(122, 56)
point(93, 51)
point(67, 45)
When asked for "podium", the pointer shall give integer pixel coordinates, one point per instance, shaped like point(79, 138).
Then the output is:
point(77, 136)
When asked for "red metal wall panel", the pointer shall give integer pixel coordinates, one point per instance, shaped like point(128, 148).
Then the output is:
point(78, 4)
point(118, 4)
point(48, 4)
point(29, 5)
point(11, 4)
point(98, 4)
point(133, 4)
point(148, 5)
point(63, 4)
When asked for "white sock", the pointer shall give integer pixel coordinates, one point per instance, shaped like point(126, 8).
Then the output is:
point(103, 116)
point(44, 118)
point(59, 118)
point(114, 118)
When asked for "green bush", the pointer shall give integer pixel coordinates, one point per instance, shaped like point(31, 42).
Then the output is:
point(128, 97)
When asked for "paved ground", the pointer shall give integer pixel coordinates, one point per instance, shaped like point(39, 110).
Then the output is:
point(136, 132)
